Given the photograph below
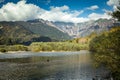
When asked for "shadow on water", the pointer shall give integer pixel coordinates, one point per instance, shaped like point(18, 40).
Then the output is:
point(71, 66)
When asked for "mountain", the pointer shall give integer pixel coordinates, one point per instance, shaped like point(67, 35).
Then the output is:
point(67, 27)
point(12, 33)
point(25, 32)
point(86, 28)
point(40, 27)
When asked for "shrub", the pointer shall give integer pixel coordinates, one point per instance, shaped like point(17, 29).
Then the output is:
point(3, 50)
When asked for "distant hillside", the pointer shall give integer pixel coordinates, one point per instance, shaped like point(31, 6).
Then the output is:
point(12, 33)
point(26, 32)
point(41, 28)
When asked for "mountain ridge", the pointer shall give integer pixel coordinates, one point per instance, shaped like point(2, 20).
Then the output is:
point(24, 32)
point(41, 30)
point(77, 30)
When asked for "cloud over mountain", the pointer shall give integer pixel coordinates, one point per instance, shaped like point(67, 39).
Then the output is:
point(22, 11)
point(62, 14)
point(19, 11)
point(96, 16)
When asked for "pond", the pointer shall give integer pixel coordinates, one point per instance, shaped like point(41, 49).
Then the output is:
point(49, 66)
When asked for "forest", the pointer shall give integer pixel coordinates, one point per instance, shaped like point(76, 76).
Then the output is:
point(106, 48)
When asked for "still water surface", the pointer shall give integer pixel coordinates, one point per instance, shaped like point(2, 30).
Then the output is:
point(49, 66)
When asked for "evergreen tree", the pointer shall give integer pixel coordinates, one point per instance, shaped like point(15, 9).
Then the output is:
point(116, 14)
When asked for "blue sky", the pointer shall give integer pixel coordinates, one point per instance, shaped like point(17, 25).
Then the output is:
point(56, 10)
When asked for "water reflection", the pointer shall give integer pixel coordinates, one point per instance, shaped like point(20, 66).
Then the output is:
point(72, 66)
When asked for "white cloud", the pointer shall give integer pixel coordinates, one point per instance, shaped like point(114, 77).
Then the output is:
point(94, 7)
point(77, 13)
point(19, 11)
point(113, 2)
point(63, 8)
point(109, 12)
point(105, 10)
point(62, 14)
point(95, 16)
point(23, 11)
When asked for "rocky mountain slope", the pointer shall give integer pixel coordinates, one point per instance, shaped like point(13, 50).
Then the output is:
point(86, 28)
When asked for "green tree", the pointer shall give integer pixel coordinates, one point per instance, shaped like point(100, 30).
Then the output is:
point(107, 51)
point(8, 41)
